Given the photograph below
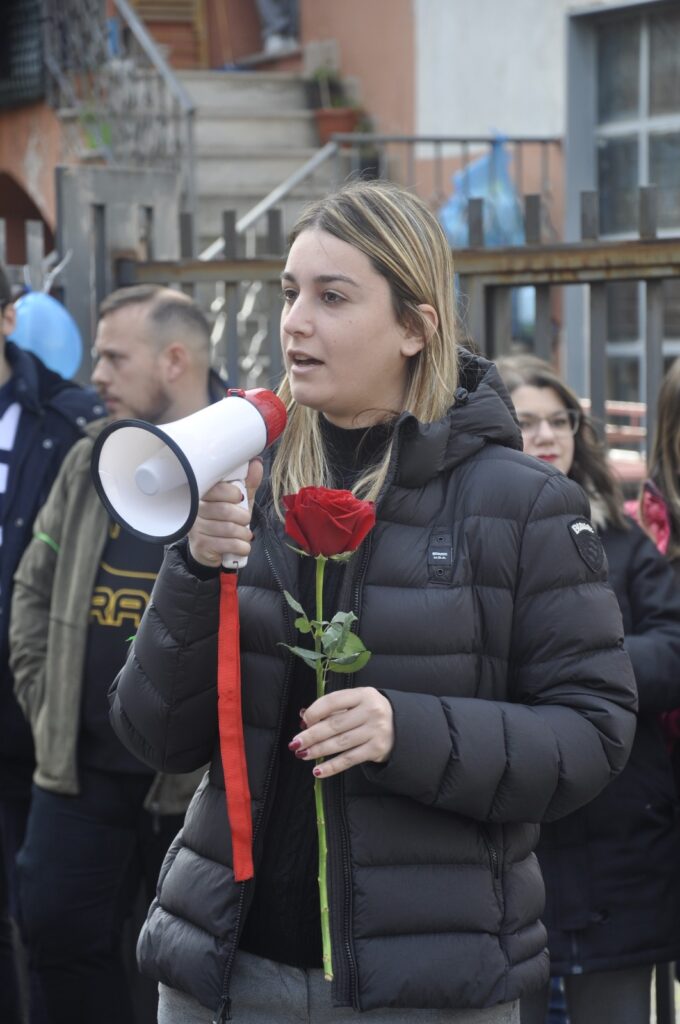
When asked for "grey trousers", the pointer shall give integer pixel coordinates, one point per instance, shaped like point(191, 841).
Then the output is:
point(264, 992)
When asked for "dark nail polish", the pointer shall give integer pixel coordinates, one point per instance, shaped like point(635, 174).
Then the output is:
point(295, 744)
point(302, 754)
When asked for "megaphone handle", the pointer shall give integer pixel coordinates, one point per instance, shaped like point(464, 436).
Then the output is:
point(237, 561)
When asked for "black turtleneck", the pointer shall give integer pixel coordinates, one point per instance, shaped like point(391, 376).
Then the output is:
point(283, 922)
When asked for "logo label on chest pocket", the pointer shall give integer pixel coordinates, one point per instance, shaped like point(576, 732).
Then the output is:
point(440, 557)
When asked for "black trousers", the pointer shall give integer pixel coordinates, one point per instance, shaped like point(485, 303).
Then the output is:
point(80, 869)
point(10, 1002)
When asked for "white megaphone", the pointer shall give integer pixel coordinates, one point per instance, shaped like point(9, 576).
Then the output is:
point(151, 478)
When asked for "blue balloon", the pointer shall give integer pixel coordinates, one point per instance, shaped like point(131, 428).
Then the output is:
point(47, 329)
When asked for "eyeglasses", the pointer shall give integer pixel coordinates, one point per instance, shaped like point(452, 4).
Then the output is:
point(561, 423)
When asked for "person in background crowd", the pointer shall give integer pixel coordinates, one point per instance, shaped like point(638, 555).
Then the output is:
point(99, 823)
point(658, 509)
point(279, 21)
point(659, 505)
point(41, 416)
point(610, 868)
point(497, 695)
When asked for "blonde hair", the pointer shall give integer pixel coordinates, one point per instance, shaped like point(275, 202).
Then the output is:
point(664, 457)
point(405, 244)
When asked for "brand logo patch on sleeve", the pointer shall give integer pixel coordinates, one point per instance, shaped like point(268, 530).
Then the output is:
point(588, 544)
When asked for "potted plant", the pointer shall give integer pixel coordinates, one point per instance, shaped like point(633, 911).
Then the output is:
point(332, 108)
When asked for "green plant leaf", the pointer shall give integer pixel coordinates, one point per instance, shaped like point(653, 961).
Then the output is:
point(350, 663)
point(303, 625)
point(309, 657)
point(350, 656)
point(338, 633)
point(295, 605)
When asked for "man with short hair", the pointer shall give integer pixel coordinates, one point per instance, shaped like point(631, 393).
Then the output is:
point(100, 822)
point(41, 416)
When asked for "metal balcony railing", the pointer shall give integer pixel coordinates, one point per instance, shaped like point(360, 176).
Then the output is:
point(114, 90)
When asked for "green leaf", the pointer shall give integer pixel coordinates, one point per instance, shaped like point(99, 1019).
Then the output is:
point(295, 605)
point(351, 656)
point(351, 663)
point(309, 657)
point(303, 625)
point(334, 639)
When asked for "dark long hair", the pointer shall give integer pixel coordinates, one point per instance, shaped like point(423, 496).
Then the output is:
point(664, 457)
point(589, 468)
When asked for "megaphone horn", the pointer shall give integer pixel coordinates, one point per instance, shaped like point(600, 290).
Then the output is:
point(151, 478)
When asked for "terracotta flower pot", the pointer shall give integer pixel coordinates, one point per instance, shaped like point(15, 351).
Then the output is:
point(334, 119)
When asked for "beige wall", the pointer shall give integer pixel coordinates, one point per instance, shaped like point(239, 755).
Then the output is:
point(375, 41)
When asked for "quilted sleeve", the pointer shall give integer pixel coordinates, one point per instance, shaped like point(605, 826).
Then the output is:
point(164, 700)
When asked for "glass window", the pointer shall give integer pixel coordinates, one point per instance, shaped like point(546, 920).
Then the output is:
point(664, 63)
point(623, 379)
point(670, 290)
point(617, 173)
point(664, 172)
point(618, 64)
point(622, 311)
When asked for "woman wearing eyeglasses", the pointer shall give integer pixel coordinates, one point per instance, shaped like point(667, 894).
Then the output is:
point(610, 868)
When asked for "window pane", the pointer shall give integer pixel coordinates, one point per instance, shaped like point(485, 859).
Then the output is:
point(622, 311)
point(617, 173)
point(618, 62)
point(664, 172)
point(623, 379)
point(671, 308)
point(664, 63)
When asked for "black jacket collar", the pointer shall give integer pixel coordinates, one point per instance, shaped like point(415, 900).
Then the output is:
point(481, 414)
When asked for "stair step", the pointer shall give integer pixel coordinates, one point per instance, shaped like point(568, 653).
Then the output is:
point(258, 168)
point(284, 128)
point(224, 91)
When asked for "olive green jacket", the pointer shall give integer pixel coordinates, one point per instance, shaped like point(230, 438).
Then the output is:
point(49, 625)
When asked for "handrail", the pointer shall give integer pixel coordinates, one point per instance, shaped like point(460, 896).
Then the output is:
point(273, 197)
point(185, 101)
point(155, 56)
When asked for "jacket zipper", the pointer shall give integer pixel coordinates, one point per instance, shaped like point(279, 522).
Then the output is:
point(345, 984)
point(224, 1008)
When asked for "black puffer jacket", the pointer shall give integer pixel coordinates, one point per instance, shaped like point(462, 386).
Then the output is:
point(611, 868)
point(513, 702)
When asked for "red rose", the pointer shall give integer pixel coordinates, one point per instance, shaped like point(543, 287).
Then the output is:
point(327, 522)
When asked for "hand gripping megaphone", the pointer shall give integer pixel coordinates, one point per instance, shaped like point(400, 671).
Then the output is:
point(151, 478)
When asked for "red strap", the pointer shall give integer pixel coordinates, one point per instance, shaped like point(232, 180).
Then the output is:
point(232, 745)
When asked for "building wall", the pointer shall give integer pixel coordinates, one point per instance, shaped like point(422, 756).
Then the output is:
point(375, 42)
point(30, 148)
point(472, 80)
point(486, 66)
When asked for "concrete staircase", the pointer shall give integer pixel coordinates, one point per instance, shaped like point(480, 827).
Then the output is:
point(252, 131)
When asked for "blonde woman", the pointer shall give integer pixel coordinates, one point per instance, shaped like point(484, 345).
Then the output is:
point(497, 695)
